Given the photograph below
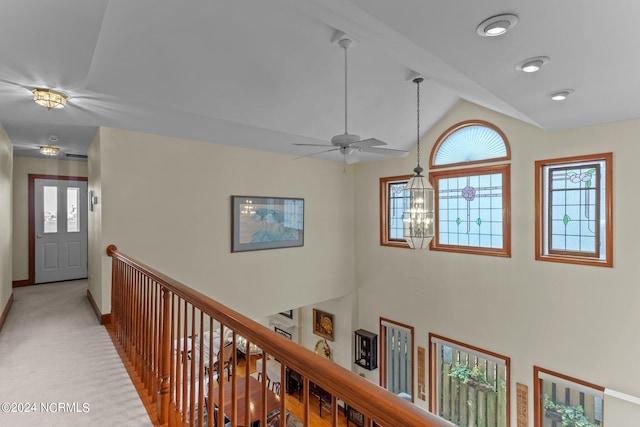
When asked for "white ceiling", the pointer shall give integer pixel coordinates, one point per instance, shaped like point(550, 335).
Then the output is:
point(265, 74)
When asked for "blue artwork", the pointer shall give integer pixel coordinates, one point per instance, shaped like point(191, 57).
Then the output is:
point(267, 223)
point(272, 227)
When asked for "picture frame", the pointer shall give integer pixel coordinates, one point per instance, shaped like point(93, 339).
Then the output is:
point(288, 313)
point(283, 332)
point(323, 324)
point(259, 223)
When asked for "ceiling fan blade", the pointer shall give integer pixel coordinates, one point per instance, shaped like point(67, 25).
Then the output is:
point(385, 151)
point(314, 154)
point(367, 143)
point(313, 145)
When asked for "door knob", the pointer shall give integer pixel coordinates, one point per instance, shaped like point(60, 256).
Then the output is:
point(39, 236)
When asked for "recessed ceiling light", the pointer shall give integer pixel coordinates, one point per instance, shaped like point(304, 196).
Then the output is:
point(496, 25)
point(561, 95)
point(532, 65)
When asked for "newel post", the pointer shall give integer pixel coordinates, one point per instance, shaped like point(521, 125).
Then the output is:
point(163, 393)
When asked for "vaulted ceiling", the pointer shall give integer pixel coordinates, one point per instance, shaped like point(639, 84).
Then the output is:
point(265, 73)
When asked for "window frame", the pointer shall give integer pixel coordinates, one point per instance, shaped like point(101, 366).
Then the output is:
point(542, 212)
point(453, 129)
point(385, 239)
point(537, 390)
point(434, 339)
point(505, 170)
point(383, 353)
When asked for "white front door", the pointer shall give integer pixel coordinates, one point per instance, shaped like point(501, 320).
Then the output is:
point(60, 230)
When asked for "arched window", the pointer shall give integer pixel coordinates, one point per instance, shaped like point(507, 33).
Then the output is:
point(472, 199)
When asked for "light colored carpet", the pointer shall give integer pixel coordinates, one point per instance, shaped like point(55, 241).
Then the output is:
point(56, 357)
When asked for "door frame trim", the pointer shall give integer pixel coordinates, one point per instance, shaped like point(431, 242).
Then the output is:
point(32, 219)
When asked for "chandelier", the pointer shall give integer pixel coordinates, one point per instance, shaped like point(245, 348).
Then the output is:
point(418, 217)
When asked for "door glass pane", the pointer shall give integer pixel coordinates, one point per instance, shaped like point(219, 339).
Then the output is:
point(50, 209)
point(73, 218)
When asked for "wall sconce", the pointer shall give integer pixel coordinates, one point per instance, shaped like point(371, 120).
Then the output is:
point(93, 200)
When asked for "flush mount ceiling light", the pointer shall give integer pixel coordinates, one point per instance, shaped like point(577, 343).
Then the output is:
point(561, 95)
point(497, 25)
point(48, 150)
point(49, 98)
point(532, 65)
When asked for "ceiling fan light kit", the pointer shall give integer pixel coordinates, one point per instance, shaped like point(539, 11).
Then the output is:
point(49, 98)
point(418, 217)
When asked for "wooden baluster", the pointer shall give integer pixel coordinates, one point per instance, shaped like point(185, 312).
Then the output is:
point(334, 410)
point(283, 393)
point(153, 359)
point(221, 405)
point(172, 367)
point(166, 348)
point(263, 395)
point(201, 372)
point(210, 414)
point(305, 399)
point(149, 350)
point(136, 320)
point(185, 377)
point(178, 378)
point(192, 373)
point(141, 322)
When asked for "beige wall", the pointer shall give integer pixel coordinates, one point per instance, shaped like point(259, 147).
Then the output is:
point(578, 320)
point(94, 229)
point(6, 176)
point(166, 202)
point(22, 167)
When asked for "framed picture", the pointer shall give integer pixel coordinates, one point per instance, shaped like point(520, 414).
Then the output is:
point(323, 324)
point(282, 332)
point(288, 313)
point(266, 223)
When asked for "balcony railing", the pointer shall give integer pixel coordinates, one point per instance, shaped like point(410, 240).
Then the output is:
point(173, 340)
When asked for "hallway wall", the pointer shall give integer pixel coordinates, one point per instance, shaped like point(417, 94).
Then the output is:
point(6, 200)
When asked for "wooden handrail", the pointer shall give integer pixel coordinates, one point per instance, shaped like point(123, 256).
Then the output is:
point(130, 286)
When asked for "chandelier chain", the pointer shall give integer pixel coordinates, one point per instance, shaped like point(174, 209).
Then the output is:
point(418, 114)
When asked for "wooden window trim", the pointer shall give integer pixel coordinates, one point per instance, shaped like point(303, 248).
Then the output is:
point(384, 211)
point(572, 257)
point(456, 128)
point(433, 367)
point(505, 170)
point(383, 353)
point(537, 390)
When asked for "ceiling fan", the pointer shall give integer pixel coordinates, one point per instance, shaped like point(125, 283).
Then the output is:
point(348, 143)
